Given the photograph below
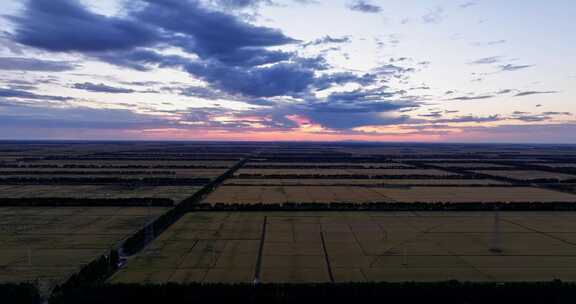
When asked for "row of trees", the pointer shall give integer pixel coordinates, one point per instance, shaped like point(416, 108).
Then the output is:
point(141, 238)
point(144, 181)
point(69, 172)
point(17, 293)
point(348, 176)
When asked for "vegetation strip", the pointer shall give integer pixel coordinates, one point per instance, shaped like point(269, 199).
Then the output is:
point(449, 292)
point(326, 257)
point(258, 269)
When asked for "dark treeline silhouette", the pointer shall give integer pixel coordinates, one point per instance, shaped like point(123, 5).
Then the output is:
point(76, 172)
point(348, 176)
point(141, 238)
point(24, 293)
point(144, 181)
point(451, 292)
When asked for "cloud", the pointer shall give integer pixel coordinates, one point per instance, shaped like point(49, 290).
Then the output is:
point(467, 4)
point(512, 67)
point(435, 15)
point(101, 88)
point(487, 60)
point(65, 25)
point(365, 7)
point(527, 93)
point(327, 40)
point(77, 117)
point(212, 34)
point(31, 64)
point(465, 98)
point(20, 94)
point(470, 118)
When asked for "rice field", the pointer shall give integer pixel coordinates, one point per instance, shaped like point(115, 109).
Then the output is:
point(50, 244)
point(176, 193)
point(304, 247)
point(528, 174)
point(359, 182)
point(351, 194)
point(399, 172)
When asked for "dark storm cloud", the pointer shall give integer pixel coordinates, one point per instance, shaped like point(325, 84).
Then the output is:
point(212, 34)
point(65, 25)
point(364, 7)
point(527, 93)
point(10, 93)
point(31, 64)
point(100, 88)
point(232, 56)
point(328, 80)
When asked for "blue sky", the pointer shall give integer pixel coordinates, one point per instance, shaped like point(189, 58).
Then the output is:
point(465, 71)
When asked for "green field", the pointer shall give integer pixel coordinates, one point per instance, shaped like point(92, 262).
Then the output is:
point(302, 247)
point(49, 244)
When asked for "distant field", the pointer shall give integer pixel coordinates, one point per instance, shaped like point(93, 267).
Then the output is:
point(351, 194)
point(309, 247)
point(321, 165)
point(469, 165)
point(527, 174)
point(558, 165)
point(264, 172)
point(360, 182)
point(124, 163)
point(177, 193)
point(50, 172)
point(53, 243)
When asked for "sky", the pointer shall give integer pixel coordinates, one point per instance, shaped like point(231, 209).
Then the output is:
point(283, 70)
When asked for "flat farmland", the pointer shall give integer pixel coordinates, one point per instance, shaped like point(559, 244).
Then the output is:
point(127, 163)
point(304, 247)
point(107, 172)
point(359, 182)
point(252, 165)
point(470, 165)
point(176, 193)
point(352, 194)
point(558, 165)
point(399, 172)
point(527, 174)
point(52, 243)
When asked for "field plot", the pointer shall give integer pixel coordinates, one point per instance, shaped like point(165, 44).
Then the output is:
point(528, 174)
point(359, 182)
point(368, 172)
point(251, 165)
point(355, 194)
point(52, 243)
point(176, 193)
point(469, 165)
point(303, 247)
point(127, 164)
point(106, 172)
point(558, 165)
